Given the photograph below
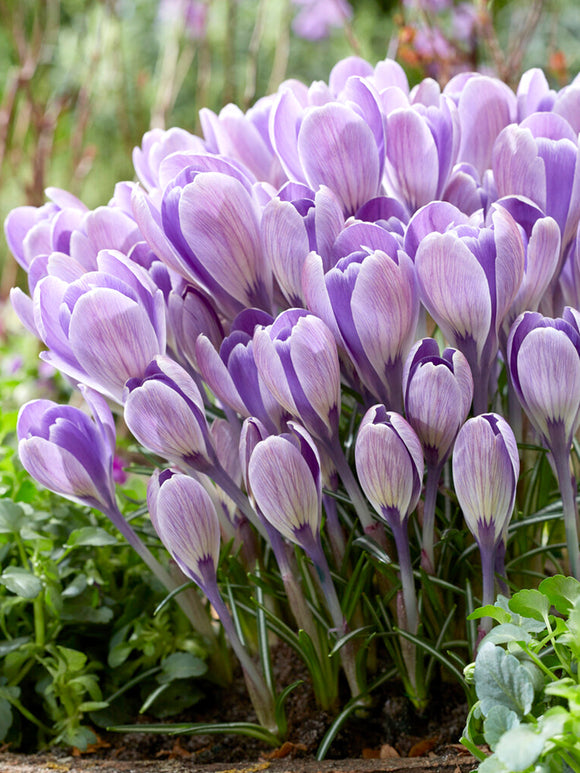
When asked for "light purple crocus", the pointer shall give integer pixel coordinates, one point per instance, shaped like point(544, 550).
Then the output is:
point(485, 475)
point(102, 328)
point(185, 519)
point(438, 390)
point(232, 373)
point(292, 227)
point(389, 464)
point(544, 363)
point(73, 455)
point(370, 302)
point(67, 452)
point(468, 279)
point(540, 159)
point(284, 479)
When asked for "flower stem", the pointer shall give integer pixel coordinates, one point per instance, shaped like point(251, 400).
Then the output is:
point(567, 484)
point(261, 697)
point(431, 488)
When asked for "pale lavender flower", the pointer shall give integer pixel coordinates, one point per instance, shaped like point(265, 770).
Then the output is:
point(315, 18)
point(485, 474)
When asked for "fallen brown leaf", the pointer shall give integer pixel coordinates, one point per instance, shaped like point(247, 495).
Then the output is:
point(422, 747)
point(388, 752)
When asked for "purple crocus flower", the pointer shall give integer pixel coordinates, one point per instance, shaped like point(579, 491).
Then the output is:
point(186, 521)
point(389, 463)
point(544, 363)
point(316, 17)
point(67, 452)
point(438, 390)
point(485, 474)
point(284, 479)
point(486, 106)
point(101, 328)
point(190, 313)
point(370, 302)
point(232, 374)
point(540, 159)
point(337, 144)
point(468, 279)
point(432, 131)
point(157, 145)
point(164, 410)
point(291, 228)
point(297, 359)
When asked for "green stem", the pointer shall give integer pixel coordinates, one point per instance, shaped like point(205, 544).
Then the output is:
point(567, 486)
point(431, 488)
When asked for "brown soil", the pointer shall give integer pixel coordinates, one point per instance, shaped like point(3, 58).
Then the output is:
point(389, 734)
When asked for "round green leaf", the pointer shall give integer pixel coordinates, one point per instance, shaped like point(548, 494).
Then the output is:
point(21, 582)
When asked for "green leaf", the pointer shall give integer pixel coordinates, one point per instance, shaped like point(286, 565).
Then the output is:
point(11, 517)
point(500, 679)
point(5, 717)
point(530, 603)
point(520, 747)
point(204, 728)
point(499, 720)
point(490, 610)
point(506, 632)
point(493, 765)
point(93, 536)
point(181, 665)
point(563, 592)
point(11, 645)
point(21, 582)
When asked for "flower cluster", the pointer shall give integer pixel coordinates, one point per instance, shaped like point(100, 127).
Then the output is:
point(287, 267)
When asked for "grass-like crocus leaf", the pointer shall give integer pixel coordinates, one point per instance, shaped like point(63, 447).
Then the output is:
point(203, 728)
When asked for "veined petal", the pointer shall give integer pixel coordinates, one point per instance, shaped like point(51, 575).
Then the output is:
point(338, 149)
point(413, 160)
point(60, 471)
point(162, 421)
point(549, 378)
point(112, 338)
point(220, 223)
point(283, 487)
point(187, 524)
point(454, 288)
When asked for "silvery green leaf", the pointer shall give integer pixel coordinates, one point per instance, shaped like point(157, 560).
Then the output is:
point(493, 765)
point(500, 679)
point(499, 720)
point(520, 747)
point(22, 582)
point(5, 717)
point(506, 632)
point(527, 623)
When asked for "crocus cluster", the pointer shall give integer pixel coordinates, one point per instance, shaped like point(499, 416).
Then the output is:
point(343, 272)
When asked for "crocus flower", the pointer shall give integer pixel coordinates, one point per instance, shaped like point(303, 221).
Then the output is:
point(292, 228)
point(544, 363)
point(190, 313)
point(66, 451)
point(73, 455)
point(438, 390)
point(297, 358)
point(103, 327)
point(468, 279)
point(371, 304)
point(185, 519)
point(285, 482)
point(485, 474)
point(164, 410)
point(389, 463)
point(432, 131)
point(540, 159)
point(232, 374)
